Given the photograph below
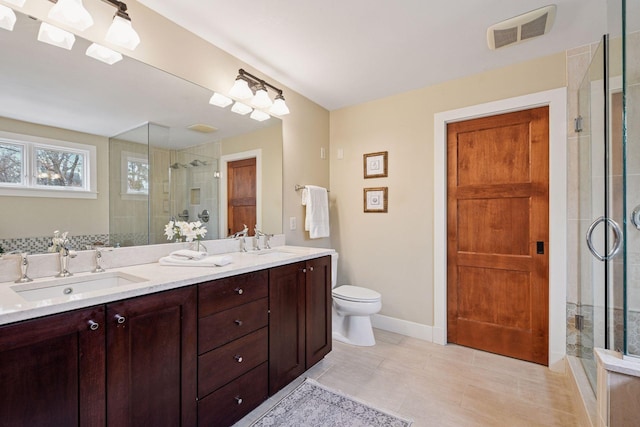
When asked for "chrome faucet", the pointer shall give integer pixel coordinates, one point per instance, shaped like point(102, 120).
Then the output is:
point(98, 257)
point(24, 265)
point(65, 254)
point(240, 235)
point(256, 237)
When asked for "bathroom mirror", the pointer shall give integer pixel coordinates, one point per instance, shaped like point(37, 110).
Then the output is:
point(49, 93)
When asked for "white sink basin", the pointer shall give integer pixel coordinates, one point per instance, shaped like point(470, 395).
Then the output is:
point(69, 286)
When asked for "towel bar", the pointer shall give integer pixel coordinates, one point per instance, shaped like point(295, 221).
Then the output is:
point(300, 187)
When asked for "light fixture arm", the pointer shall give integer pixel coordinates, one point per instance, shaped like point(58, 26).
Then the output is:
point(121, 8)
point(249, 76)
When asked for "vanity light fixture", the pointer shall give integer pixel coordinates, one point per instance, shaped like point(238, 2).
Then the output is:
point(220, 100)
point(7, 18)
point(103, 53)
point(56, 36)
point(249, 86)
point(71, 13)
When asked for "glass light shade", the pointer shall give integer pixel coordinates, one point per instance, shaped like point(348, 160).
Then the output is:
point(241, 108)
point(259, 115)
point(220, 100)
point(7, 18)
point(71, 13)
point(103, 53)
point(261, 99)
point(241, 89)
point(18, 3)
point(56, 36)
point(121, 33)
point(279, 107)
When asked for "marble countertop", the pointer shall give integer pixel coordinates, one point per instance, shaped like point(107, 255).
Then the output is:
point(158, 277)
point(616, 362)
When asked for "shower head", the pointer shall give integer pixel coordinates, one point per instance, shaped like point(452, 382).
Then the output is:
point(177, 165)
point(198, 162)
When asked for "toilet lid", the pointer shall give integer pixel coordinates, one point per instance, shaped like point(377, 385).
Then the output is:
point(355, 293)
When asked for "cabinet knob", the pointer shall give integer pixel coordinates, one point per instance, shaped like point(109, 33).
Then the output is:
point(238, 358)
point(238, 400)
point(120, 319)
point(238, 322)
point(310, 268)
point(304, 270)
point(239, 291)
point(93, 325)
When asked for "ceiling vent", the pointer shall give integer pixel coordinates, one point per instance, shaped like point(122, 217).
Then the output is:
point(523, 27)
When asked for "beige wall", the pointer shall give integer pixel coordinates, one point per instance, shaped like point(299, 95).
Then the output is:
point(40, 216)
point(175, 50)
point(393, 252)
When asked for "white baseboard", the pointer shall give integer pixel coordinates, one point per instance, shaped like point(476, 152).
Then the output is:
point(403, 327)
point(583, 396)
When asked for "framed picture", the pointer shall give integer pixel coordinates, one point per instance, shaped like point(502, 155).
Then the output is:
point(375, 199)
point(375, 165)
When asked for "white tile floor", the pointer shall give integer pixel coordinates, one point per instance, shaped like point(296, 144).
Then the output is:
point(438, 385)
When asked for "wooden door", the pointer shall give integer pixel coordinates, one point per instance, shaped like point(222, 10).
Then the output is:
point(318, 310)
point(286, 325)
point(241, 195)
point(498, 234)
point(53, 370)
point(151, 360)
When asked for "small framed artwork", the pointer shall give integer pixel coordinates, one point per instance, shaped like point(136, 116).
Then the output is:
point(375, 199)
point(375, 165)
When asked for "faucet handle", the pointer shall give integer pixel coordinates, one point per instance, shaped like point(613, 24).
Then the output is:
point(24, 265)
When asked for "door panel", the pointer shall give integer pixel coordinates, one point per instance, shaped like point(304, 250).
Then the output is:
point(241, 191)
point(497, 208)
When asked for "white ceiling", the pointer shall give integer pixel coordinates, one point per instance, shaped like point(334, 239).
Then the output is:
point(344, 52)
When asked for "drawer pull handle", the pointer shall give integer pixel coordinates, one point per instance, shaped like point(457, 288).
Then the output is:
point(239, 291)
point(120, 319)
point(238, 358)
point(238, 322)
point(238, 400)
point(93, 325)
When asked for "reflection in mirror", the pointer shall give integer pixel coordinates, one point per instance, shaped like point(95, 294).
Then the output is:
point(132, 113)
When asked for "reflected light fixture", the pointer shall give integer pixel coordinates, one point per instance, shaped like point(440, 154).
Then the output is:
point(241, 108)
point(249, 86)
point(259, 115)
point(56, 36)
point(103, 53)
point(7, 18)
point(220, 100)
point(71, 13)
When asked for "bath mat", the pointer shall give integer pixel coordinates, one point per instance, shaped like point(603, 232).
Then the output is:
point(313, 405)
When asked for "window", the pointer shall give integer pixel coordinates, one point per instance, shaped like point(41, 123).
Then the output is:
point(38, 167)
point(135, 174)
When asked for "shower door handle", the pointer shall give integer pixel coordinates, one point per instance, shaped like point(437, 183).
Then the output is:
point(617, 243)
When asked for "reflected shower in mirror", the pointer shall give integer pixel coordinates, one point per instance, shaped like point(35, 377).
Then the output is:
point(140, 120)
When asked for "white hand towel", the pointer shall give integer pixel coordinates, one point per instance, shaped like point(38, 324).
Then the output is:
point(188, 254)
point(210, 261)
point(316, 221)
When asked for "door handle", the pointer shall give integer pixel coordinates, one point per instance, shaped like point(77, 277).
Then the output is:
point(617, 243)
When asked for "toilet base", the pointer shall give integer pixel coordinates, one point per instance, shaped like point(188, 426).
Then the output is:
point(354, 330)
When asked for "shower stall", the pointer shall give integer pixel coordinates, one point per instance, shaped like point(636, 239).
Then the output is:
point(608, 203)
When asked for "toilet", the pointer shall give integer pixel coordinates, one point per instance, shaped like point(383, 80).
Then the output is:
point(352, 310)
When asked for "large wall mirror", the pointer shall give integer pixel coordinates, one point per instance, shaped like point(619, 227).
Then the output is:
point(161, 150)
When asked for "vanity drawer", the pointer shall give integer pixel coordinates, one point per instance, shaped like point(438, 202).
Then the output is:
point(220, 366)
point(222, 294)
point(235, 400)
point(225, 326)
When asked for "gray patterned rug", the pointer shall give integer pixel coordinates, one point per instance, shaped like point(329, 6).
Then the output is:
point(313, 405)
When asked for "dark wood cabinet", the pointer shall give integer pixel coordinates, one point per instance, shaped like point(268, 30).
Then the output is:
point(151, 360)
point(52, 370)
point(299, 319)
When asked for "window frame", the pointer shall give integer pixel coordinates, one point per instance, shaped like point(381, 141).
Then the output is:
point(30, 187)
point(125, 192)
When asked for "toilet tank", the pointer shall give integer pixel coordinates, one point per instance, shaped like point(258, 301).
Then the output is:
point(334, 269)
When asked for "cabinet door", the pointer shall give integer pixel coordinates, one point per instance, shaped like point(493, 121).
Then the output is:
point(151, 360)
point(318, 310)
point(53, 369)
point(286, 325)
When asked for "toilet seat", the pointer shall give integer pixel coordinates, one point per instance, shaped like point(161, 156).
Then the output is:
point(356, 294)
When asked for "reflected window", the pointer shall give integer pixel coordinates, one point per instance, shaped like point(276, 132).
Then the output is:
point(135, 174)
point(37, 168)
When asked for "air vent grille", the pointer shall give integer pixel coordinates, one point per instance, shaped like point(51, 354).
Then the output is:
point(520, 28)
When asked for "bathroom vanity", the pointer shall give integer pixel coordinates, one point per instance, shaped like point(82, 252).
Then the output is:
point(194, 346)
